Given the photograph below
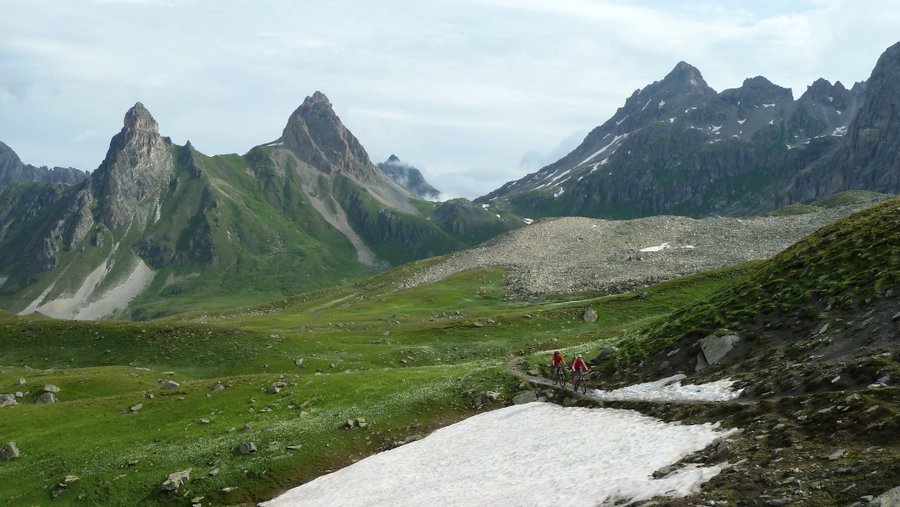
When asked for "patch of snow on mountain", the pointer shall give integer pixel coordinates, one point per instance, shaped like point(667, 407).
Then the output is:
point(485, 206)
point(661, 104)
point(531, 454)
point(671, 120)
point(715, 129)
point(830, 99)
point(528, 221)
point(647, 104)
point(771, 122)
point(689, 109)
point(836, 111)
point(617, 124)
point(559, 193)
point(601, 150)
point(656, 248)
point(670, 390)
point(741, 122)
point(768, 105)
point(840, 131)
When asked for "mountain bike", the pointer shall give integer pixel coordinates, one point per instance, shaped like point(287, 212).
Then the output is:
point(578, 378)
point(560, 377)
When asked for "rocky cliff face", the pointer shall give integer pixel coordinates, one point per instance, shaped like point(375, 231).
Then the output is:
point(13, 170)
point(678, 147)
point(137, 168)
point(870, 156)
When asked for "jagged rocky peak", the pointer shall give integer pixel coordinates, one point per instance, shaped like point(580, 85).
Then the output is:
point(683, 85)
point(393, 158)
point(137, 167)
point(316, 135)
point(138, 118)
point(757, 91)
point(408, 177)
point(685, 78)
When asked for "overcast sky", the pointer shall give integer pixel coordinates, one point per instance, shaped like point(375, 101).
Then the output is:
point(473, 92)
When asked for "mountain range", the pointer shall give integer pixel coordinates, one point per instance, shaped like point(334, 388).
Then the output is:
point(159, 228)
point(678, 147)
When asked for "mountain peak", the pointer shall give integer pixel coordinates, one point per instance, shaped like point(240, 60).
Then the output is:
point(139, 118)
point(687, 78)
point(393, 158)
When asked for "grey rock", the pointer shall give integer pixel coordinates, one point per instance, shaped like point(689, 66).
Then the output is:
point(477, 324)
point(701, 363)
point(716, 347)
point(664, 471)
point(218, 387)
point(137, 408)
point(778, 501)
point(247, 448)
point(203, 421)
point(836, 455)
point(273, 390)
point(590, 315)
point(604, 354)
point(298, 362)
point(896, 316)
point(170, 384)
point(9, 452)
point(50, 388)
point(295, 447)
point(890, 498)
point(7, 400)
point(176, 480)
point(21, 382)
point(46, 398)
point(526, 397)
point(722, 451)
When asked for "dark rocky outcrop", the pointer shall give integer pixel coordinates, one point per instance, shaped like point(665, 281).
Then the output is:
point(408, 177)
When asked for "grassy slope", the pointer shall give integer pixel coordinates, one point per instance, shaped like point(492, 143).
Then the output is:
point(404, 360)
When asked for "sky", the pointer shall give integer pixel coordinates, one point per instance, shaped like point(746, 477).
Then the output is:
point(474, 93)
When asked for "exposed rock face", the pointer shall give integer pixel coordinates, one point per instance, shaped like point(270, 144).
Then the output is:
point(315, 134)
point(870, 157)
point(408, 177)
point(13, 170)
point(137, 168)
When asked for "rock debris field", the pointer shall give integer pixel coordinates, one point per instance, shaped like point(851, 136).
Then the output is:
point(575, 254)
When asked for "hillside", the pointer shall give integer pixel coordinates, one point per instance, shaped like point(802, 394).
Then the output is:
point(159, 227)
point(678, 147)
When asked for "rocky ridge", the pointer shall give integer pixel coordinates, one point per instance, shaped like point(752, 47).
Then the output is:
point(13, 170)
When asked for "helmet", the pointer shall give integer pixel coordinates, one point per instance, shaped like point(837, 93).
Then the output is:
point(578, 356)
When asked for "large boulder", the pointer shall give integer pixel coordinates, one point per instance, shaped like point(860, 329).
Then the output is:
point(9, 452)
point(176, 480)
point(890, 498)
point(7, 400)
point(716, 347)
point(46, 399)
point(50, 388)
point(590, 315)
point(523, 398)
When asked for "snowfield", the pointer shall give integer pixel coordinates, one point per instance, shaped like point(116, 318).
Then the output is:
point(524, 455)
point(670, 390)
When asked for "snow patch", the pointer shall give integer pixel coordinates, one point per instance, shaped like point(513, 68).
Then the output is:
point(647, 104)
point(516, 455)
point(768, 105)
point(485, 206)
point(559, 193)
point(661, 104)
point(838, 112)
point(840, 131)
point(771, 122)
point(741, 122)
point(601, 150)
point(656, 248)
point(670, 390)
point(498, 216)
point(528, 221)
point(671, 120)
point(3, 280)
point(617, 124)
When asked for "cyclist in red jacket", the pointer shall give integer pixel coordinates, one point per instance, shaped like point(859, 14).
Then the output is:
point(557, 363)
point(579, 366)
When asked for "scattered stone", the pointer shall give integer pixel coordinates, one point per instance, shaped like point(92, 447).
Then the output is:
point(295, 447)
point(778, 501)
point(673, 352)
point(872, 409)
point(896, 316)
point(9, 452)
point(273, 446)
point(722, 451)
point(852, 399)
point(228, 489)
point(298, 362)
point(22, 381)
point(273, 390)
point(823, 329)
point(70, 479)
point(523, 398)
point(137, 408)
point(170, 373)
point(664, 471)
point(247, 448)
point(45, 399)
point(836, 455)
point(7, 400)
point(590, 315)
point(214, 472)
point(176, 480)
point(50, 388)
point(204, 421)
point(170, 384)
point(218, 387)
point(477, 324)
